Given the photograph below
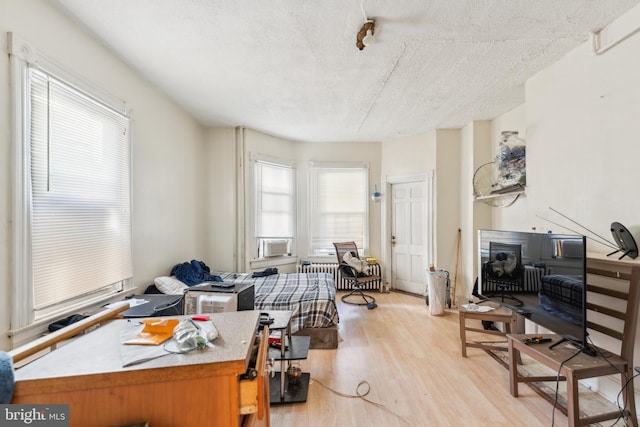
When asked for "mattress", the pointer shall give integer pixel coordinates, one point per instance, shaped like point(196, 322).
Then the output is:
point(311, 297)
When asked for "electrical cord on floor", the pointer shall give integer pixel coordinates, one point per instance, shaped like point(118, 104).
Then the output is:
point(362, 396)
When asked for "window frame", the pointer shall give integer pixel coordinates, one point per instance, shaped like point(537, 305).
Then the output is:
point(25, 323)
point(314, 166)
point(256, 241)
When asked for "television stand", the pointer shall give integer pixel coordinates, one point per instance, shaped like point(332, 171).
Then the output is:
point(620, 282)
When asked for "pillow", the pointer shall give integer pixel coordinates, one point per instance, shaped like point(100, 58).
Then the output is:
point(170, 285)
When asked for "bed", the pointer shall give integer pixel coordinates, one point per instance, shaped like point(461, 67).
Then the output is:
point(310, 296)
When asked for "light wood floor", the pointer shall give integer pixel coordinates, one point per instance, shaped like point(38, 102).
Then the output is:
point(413, 364)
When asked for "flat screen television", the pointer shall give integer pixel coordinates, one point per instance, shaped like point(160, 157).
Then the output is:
point(539, 276)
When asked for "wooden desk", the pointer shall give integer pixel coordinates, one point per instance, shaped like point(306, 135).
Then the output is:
point(499, 314)
point(201, 388)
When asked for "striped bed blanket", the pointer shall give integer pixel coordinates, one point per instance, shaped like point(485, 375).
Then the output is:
point(310, 296)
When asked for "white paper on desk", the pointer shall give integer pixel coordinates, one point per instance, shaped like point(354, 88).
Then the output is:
point(477, 308)
point(134, 354)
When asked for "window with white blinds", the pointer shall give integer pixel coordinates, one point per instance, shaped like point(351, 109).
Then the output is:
point(275, 201)
point(81, 209)
point(338, 206)
point(72, 213)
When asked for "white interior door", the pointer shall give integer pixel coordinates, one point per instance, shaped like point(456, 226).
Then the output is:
point(408, 237)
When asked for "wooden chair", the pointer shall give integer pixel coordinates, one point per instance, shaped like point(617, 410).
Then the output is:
point(356, 280)
point(613, 299)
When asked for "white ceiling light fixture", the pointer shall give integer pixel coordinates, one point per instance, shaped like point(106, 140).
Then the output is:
point(366, 34)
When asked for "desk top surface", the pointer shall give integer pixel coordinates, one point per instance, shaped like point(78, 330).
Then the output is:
point(99, 352)
point(498, 310)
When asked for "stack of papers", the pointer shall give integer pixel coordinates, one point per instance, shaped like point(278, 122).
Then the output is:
point(478, 308)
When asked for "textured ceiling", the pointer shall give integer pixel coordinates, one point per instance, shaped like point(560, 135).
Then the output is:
point(291, 68)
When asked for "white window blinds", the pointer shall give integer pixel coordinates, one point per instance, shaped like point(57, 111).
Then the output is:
point(338, 206)
point(80, 193)
point(275, 192)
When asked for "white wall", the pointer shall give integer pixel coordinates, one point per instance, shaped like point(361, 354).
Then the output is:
point(475, 150)
point(167, 147)
point(582, 138)
point(447, 204)
point(220, 225)
point(410, 155)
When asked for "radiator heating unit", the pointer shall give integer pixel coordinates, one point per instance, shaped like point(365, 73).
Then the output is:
point(340, 282)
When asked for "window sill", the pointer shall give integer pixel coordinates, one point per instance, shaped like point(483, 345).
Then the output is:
point(40, 327)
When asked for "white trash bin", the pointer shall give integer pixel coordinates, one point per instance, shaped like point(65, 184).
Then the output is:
point(437, 283)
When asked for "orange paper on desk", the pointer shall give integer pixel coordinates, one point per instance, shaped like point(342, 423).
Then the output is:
point(154, 332)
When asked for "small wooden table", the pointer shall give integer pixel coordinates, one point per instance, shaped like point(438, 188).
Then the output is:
point(498, 314)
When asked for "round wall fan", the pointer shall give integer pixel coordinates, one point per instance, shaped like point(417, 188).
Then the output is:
point(487, 189)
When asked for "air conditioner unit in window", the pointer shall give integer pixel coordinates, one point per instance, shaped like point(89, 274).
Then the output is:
point(275, 248)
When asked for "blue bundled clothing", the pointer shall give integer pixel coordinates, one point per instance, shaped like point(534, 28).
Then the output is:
point(194, 273)
point(7, 378)
point(266, 272)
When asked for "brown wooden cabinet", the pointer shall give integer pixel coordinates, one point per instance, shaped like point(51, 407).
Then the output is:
point(201, 388)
